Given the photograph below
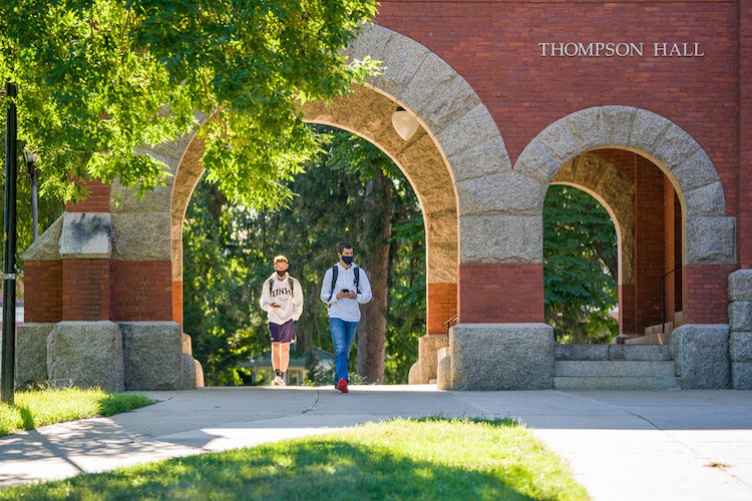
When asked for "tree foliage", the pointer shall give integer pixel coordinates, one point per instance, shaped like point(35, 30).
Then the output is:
point(580, 267)
point(229, 249)
point(99, 78)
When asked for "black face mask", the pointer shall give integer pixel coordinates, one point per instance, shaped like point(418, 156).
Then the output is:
point(347, 259)
point(281, 274)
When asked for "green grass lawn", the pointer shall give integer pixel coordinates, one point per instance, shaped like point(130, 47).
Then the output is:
point(37, 408)
point(431, 459)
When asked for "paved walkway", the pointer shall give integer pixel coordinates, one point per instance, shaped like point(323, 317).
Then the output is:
point(661, 445)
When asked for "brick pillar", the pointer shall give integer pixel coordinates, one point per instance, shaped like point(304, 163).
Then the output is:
point(441, 305)
point(141, 291)
point(500, 293)
point(98, 200)
point(649, 243)
point(627, 309)
point(43, 289)
point(86, 289)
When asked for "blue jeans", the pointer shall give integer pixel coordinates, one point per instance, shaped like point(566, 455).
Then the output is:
point(343, 334)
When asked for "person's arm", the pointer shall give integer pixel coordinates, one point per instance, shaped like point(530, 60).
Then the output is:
point(365, 288)
point(266, 297)
point(297, 298)
point(326, 287)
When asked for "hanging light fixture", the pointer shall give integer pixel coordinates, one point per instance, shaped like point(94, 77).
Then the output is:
point(405, 123)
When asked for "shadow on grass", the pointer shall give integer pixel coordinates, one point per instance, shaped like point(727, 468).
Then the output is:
point(324, 467)
point(27, 418)
point(311, 470)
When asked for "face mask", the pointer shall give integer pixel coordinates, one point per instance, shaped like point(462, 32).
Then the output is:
point(281, 274)
point(347, 259)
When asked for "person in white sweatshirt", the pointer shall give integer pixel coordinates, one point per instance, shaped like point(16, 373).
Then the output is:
point(344, 289)
point(282, 299)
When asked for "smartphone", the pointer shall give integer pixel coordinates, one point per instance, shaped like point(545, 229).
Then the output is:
point(346, 290)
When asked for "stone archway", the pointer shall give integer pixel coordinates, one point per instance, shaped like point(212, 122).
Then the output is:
point(709, 236)
point(453, 162)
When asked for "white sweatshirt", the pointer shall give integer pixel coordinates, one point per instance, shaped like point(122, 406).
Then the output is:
point(290, 301)
point(345, 309)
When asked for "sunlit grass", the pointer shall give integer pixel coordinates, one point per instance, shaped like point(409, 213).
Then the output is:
point(36, 408)
point(400, 459)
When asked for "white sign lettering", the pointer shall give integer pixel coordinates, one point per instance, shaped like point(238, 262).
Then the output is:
point(620, 49)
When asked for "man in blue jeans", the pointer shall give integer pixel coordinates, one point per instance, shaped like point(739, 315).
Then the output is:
point(345, 287)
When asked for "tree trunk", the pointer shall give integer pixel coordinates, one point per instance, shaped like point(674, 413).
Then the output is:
point(372, 330)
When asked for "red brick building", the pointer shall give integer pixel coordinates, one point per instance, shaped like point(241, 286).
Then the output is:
point(642, 104)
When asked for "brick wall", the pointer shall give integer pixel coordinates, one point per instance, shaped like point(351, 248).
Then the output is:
point(43, 288)
point(744, 184)
point(97, 201)
point(673, 250)
point(141, 291)
point(705, 289)
point(442, 305)
point(494, 46)
point(650, 242)
point(86, 289)
point(500, 293)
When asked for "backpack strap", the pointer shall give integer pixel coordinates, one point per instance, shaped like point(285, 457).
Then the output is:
point(289, 280)
point(335, 272)
point(356, 270)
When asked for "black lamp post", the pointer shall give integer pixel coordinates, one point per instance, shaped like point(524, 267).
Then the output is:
point(7, 384)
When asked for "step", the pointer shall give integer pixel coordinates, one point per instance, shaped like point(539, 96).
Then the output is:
point(616, 352)
point(660, 329)
point(650, 339)
point(617, 383)
point(613, 369)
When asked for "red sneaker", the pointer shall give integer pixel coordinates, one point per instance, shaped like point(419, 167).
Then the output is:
point(342, 386)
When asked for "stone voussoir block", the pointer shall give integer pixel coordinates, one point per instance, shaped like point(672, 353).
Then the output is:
point(711, 240)
point(501, 239)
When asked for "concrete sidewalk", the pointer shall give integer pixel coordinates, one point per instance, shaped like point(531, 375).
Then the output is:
point(684, 445)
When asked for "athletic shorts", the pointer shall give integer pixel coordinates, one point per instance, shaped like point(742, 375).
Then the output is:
point(284, 333)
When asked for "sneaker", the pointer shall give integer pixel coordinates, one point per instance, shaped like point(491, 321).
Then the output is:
point(278, 381)
point(342, 386)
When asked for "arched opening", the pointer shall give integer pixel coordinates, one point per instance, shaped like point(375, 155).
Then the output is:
point(645, 208)
point(580, 267)
point(351, 192)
